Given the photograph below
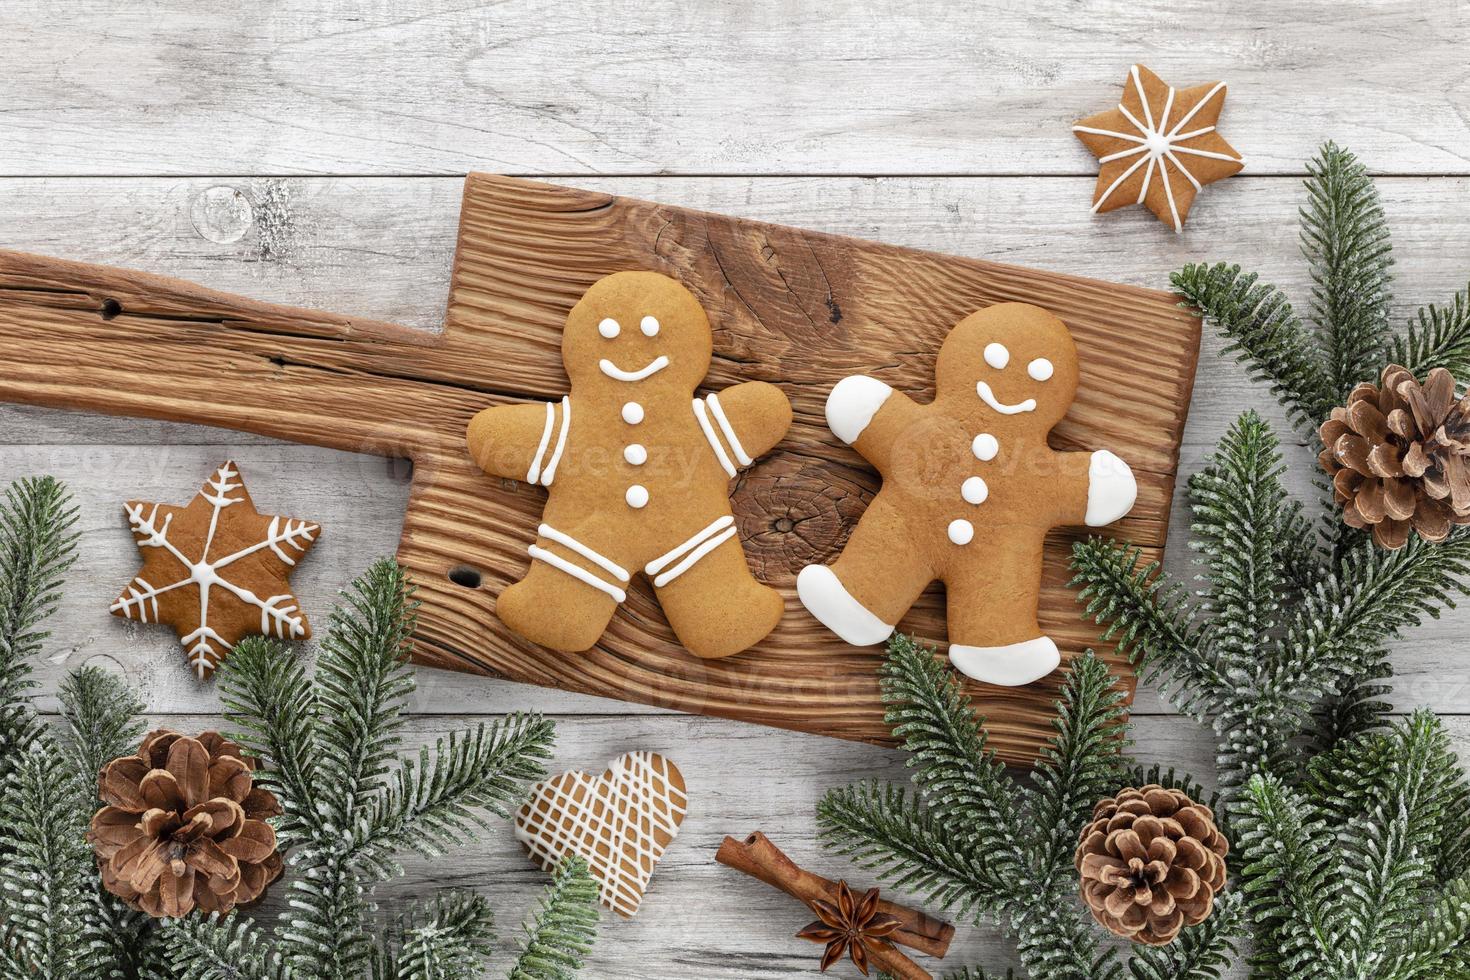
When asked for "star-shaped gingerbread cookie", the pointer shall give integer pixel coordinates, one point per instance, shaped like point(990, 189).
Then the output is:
point(216, 570)
point(1159, 147)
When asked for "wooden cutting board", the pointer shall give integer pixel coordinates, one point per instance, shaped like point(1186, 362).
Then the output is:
point(795, 308)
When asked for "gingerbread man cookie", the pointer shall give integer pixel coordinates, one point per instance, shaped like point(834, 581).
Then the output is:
point(637, 470)
point(970, 489)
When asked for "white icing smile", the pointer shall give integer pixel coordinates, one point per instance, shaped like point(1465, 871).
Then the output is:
point(652, 367)
point(988, 397)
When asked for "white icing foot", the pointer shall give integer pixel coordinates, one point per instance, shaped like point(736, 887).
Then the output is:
point(826, 598)
point(1111, 489)
point(1008, 666)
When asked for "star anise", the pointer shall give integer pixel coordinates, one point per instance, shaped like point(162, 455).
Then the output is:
point(853, 927)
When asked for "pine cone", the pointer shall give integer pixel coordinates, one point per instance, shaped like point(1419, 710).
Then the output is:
point(1151, 862)
point(184, 826)
point(1396, 453)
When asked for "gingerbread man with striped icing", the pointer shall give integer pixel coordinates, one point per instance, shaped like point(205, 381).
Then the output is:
point(637, 470)
point(970, 490)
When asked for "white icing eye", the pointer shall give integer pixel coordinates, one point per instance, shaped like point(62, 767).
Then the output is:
point(1040, 369)
point(985, 447)
point(649, 326)
point(609, 328)
point(997, 356)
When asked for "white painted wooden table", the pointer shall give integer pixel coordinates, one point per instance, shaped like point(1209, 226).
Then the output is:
point(311, 153)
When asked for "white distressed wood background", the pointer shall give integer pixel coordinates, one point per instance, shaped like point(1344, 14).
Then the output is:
point(310, 152)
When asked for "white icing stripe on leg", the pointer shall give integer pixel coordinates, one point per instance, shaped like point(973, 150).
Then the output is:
point(561, 441)
point(535, 473)
point(728, 430)
point(693, 557)
point(566, 540)
point(576, 572)
point(662, 561)
point(714, 440)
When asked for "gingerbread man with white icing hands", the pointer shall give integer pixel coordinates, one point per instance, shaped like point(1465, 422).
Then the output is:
point(637, 470)
point(970, 490)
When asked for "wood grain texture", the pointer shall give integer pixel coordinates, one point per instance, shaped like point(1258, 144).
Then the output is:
point(381, 247)
point(709, 87)
point(796, 308)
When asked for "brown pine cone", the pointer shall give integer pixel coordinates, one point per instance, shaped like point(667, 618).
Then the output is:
point(1151, 861)
point(1396, 453)
point(184, 826)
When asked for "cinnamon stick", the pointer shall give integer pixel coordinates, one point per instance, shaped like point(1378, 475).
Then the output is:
point(761, 859)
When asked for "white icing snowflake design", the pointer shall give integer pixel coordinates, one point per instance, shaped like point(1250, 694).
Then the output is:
point(154, 526)
point(1158, 144)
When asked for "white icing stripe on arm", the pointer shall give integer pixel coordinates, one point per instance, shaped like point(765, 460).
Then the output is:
point(693, 557)
point(725, 427)
point(566, 540)
point(535, 473)
point(662, 561)
point(714, 440)
point(561, 441)
point(576, 572)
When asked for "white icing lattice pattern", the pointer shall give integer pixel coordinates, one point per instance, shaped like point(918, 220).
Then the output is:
point(279, 614)
point(620, 822)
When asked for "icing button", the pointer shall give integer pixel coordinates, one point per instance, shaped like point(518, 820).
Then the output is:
point(637, 496)
point(960, 532)
point(635, 454)
point(985, 447)
point(974, 490)
point(632, 413)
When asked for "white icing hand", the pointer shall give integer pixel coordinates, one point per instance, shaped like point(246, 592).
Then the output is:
point(1111, 489)
point(853, 403)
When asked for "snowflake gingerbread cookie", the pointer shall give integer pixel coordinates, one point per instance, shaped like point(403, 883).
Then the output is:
point(216, 570)
point(637, 470)
point(970, 489)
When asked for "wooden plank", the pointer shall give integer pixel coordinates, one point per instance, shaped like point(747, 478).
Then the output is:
point(381, 248)
point(303, 376)
point(865, 87)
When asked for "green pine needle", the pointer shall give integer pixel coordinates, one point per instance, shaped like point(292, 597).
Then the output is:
point(1266, 334)
point(565, 925)
point(37, 546)
point(328, 745)
point(1345, 239)
point(1438, 337)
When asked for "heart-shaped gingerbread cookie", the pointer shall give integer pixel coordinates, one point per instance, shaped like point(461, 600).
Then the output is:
point(619, 822)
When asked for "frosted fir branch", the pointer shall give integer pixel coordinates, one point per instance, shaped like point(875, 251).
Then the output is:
point(885, 830)
point(448, 936)
point(1345, 239)
point(37, 547)
point(46, 879)
point(101, 715)
point(273, 706)
point(222, 948)
point(363, 684)
point(935, 723)
point(1266, 334)
point(1438, 337)
point(1082, 763)
point(561, 934)
point(1201, 952)
point(446, 795)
